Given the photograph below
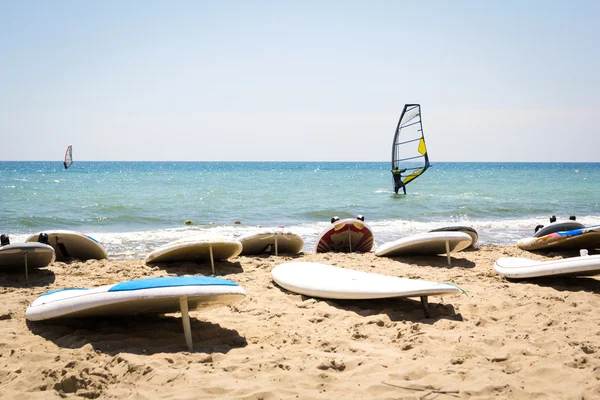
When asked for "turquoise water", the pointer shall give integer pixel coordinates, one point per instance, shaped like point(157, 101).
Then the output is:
point(131, 207)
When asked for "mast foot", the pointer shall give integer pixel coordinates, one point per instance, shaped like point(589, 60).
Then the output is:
point(425, 306)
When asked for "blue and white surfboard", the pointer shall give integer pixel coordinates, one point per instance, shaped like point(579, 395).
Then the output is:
point(143, 296)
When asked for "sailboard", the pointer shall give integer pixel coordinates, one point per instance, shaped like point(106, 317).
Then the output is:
point(409, 153)
point(68, 157)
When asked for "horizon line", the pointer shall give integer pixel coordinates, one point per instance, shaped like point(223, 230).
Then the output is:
point(297, 161)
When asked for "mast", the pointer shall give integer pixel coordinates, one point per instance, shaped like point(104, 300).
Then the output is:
point(409, 152)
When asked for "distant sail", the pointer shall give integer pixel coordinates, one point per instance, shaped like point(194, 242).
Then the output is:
point(68, 157)
point(408, 149)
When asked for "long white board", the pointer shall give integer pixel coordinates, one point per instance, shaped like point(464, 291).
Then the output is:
point(522, 268)
point(330, 282)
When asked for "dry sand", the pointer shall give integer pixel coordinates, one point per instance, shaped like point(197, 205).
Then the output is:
point(518, 340)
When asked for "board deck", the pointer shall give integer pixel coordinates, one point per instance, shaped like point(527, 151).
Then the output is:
point(346, 236)
point(523, 268)
point(72, 245)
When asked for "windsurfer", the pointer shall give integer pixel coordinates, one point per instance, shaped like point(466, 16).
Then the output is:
point(398, 179)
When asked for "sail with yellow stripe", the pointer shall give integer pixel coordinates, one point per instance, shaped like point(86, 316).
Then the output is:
point(409, 152)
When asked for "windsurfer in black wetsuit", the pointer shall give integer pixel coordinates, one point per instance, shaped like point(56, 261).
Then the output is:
point(397, 173)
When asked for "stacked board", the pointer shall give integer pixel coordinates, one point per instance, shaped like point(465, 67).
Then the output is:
point(585, 238)
point(465, 229)
point(558, 227)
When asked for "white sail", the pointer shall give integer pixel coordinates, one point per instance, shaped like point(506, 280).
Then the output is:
point(409, 153)
point(68, 157)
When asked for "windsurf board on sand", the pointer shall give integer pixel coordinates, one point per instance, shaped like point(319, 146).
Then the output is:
point(72, 245)
point(522, 268)
point(196, 250)
point(465, 229)
point(26, 255)
point(586, 238)
point(329, 282)
point(346, 236)
point(426, 244)
point(142, 296)
point(271, 241)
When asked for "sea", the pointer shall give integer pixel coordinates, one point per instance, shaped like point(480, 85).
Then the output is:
point(134, 207)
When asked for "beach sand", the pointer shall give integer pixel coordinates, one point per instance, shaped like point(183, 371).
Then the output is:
point(518, 340)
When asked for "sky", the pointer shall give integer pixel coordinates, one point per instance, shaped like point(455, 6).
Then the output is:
point(298, 80)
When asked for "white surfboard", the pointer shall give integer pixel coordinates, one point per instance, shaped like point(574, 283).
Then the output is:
point(329, 282)
point(521, 268)
point(426, 244)
point(35, 255)
point(26, 255)
point(271, 242)
point(196, 250)
point(143, 296)
point(72, 245)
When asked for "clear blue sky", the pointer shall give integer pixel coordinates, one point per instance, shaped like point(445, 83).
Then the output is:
point(306, 80)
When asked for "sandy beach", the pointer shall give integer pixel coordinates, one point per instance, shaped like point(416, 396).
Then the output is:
point(519, 340)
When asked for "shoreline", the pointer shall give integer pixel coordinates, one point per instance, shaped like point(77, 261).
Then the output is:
point(501, 338)
point(135, 245)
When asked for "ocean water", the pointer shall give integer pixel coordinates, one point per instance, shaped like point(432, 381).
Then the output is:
point(134, 207)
